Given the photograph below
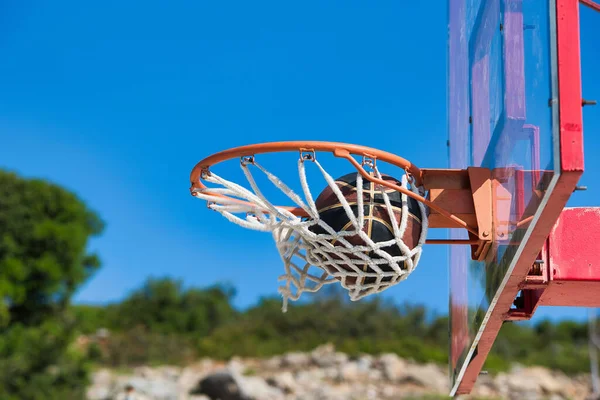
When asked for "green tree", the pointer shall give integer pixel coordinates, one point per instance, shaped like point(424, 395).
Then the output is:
point(162, 305)
point(44, 231)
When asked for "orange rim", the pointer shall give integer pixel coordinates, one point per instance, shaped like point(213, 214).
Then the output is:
point(308, 146)
point(340, 150)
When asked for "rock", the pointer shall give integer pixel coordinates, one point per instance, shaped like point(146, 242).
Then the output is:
point(375, 375)
point(154, 388)
point(284, 381)
point(326, 356)
point(295, 360)
point(426, 376)
point(170, 372)
point(392, 366)
point(256, 388)
point(550, 382)
point(331, 360)
point(485, 387)
point(101, 385)
point(322, 392)
point(129, 393)
point(274, 363)
point(219, 385)
point(144, 372)
point(349, 372)
point(236, 366)
point(517, 385)
point(190, 376)
point(364, 362)
point(537, 382)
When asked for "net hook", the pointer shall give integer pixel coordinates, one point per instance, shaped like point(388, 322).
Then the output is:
point(246, 160)
point(369, 161)
point(307, 155)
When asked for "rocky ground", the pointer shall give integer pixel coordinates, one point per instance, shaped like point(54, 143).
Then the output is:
point(325, 374)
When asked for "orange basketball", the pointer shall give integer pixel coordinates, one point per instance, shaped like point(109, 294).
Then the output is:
point(377, 222)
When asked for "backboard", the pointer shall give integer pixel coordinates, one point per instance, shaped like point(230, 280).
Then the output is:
point(514, 107)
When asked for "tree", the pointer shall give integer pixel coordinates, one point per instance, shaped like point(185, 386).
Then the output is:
point(44, 231)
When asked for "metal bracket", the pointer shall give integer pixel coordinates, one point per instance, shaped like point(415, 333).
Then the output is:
point(468, 195)
point(481, 191)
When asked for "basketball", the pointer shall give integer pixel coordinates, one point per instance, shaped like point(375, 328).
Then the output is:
point(377, 222)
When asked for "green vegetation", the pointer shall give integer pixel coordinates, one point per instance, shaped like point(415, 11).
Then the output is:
point(43, 236)
point(164, 323)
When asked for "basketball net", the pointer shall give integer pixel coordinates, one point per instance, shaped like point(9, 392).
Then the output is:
point(301, 249)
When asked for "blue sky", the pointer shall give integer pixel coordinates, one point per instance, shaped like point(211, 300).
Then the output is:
point(118, 100)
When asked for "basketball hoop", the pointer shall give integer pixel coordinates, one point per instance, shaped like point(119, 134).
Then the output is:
point(305, 238)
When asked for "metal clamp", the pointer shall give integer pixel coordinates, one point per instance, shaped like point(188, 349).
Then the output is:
point(307, 155)
point(369, 161)
point(245, 160)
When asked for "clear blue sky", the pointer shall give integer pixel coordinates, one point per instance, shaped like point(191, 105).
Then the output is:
point(118, 100)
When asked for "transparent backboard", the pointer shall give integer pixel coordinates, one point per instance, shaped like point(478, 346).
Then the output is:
point(501, 81)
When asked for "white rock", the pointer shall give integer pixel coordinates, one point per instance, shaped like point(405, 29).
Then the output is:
point(295, 360)
point(284, 381)
point(131, 396)
point(426, 376)
point(256, 388)
point(349, 371)
point(330, 373)
point(392, 366)
point(375, 375)
point(364, 362)
point(516, 385)
point(327, 348)
point(145, 372)
point(101, 385)
point(274, 363)
point(550, 382)
point(236, 366)
point(194, 397)
point(311, 374)
point(330, 359)
point(190, 376)
point(156, 388)
point(170, 372)
point(326, 356)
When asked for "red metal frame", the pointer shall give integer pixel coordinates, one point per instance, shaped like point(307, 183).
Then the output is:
point(573, 267)
point(571, 168)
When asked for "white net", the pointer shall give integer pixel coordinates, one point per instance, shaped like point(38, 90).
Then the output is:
point(362, 269)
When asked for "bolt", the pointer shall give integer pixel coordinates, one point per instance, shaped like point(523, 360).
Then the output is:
point(486, 234)
point(580, 188)
point(538, 262)
point(585, 102)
